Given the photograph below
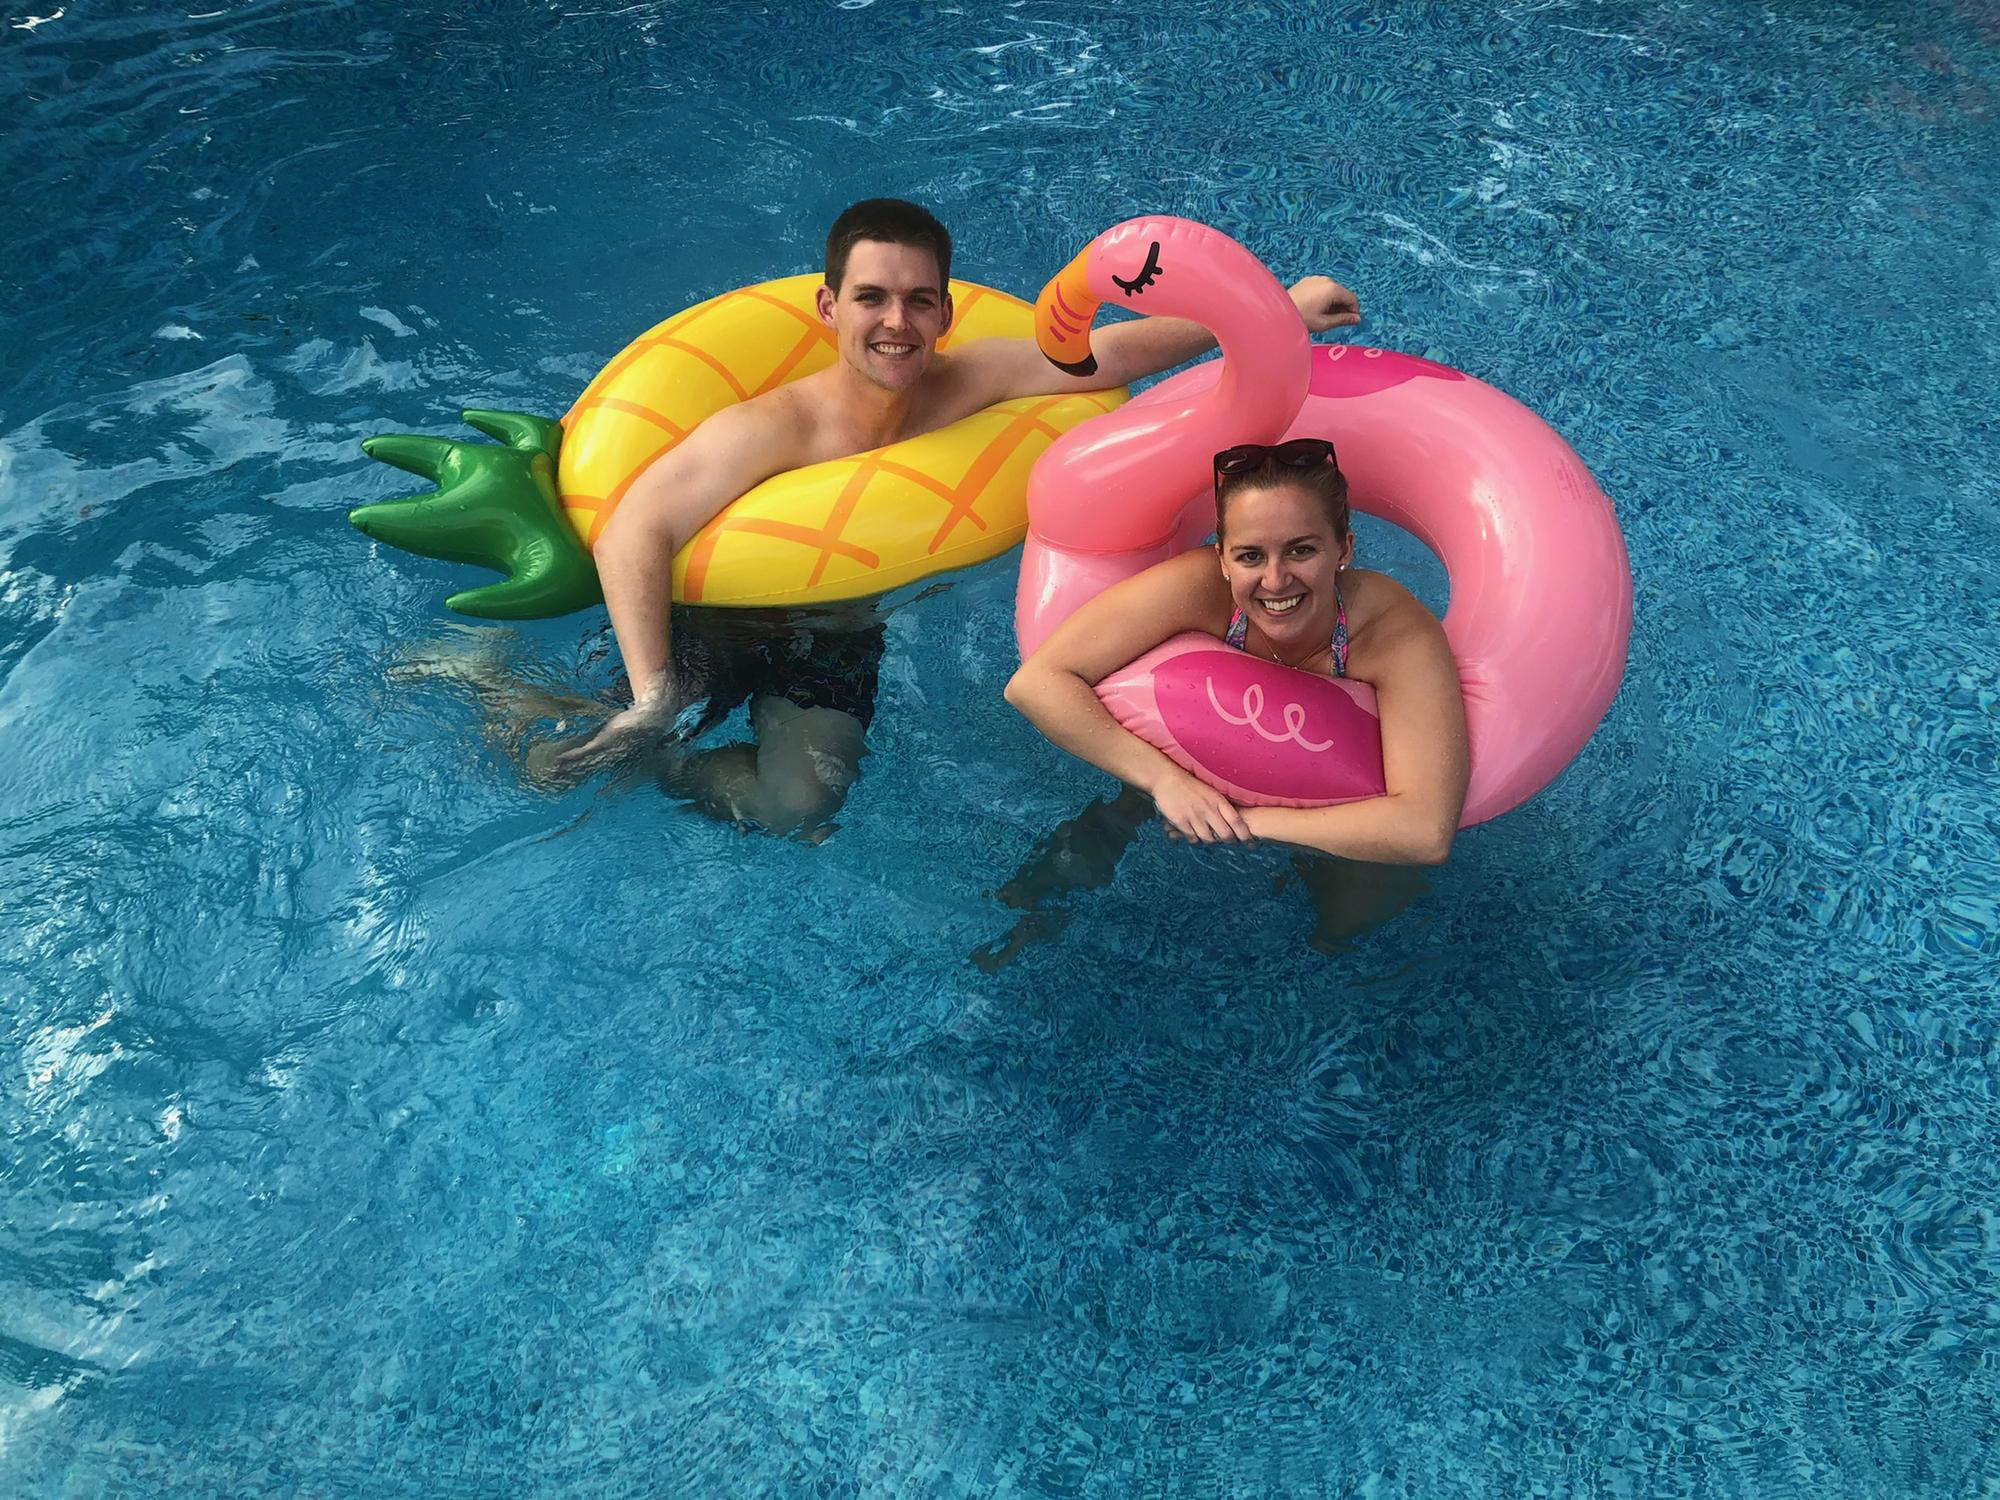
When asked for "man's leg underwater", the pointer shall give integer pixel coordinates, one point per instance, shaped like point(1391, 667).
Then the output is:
point(480, 659)
point(790, 782)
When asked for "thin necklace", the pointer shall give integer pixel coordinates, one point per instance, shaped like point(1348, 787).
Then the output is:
point(1294, 665)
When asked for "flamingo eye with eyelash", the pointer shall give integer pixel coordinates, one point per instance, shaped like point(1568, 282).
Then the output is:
point(1148, 273)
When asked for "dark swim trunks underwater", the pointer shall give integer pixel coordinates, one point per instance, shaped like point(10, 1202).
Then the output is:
point(812, 658)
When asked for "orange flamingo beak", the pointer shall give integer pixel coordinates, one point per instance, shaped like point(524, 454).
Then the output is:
point(1063, 315)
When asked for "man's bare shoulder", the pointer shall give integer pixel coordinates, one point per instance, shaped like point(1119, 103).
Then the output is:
point(984, 371)
point(771, 411)
point(779, 424)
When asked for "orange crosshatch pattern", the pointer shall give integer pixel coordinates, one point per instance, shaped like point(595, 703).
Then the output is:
point(843, 529)
point(1025, 429)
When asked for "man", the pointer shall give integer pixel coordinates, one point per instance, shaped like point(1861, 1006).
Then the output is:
point(887, 299)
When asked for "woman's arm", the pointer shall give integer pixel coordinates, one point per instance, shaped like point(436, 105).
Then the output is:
point(1424, 765)
point(1055, 688)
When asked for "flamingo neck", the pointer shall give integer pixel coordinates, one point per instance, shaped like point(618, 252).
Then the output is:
point(1121, 483)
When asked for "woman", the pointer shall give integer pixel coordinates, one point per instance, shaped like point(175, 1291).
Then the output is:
point(1277, 584)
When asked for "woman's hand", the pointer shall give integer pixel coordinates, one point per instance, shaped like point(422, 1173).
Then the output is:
point(1324, 303)
point(1194, 810)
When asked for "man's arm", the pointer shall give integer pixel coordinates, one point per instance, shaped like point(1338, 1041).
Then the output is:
point(734, 450)
point(1002, 369)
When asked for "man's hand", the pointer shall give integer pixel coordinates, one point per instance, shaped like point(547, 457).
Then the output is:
point(1324, 303)
point(624, 735)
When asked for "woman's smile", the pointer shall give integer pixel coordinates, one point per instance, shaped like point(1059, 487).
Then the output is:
point(1280, 605)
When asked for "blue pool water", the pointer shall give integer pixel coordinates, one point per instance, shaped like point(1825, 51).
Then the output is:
point(379, 1124)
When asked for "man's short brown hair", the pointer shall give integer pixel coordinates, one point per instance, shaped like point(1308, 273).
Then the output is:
point(894, 222)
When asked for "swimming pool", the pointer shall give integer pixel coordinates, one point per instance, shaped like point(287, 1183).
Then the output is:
point(380, 1124)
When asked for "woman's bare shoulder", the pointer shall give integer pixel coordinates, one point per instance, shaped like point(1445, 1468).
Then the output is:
point(1188, 586)
point(1197, 563)
point(1390, 628)
point(1133, 616)
point(1380, 602)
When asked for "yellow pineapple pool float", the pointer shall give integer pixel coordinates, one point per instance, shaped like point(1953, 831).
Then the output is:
point(534, 506)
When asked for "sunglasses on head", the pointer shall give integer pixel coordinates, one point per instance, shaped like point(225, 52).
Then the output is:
point(1299, 453)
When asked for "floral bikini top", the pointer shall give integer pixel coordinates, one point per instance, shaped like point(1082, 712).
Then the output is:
point(1239, 633)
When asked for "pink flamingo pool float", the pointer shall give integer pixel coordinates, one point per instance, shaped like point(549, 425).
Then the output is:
point(1541, 589)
